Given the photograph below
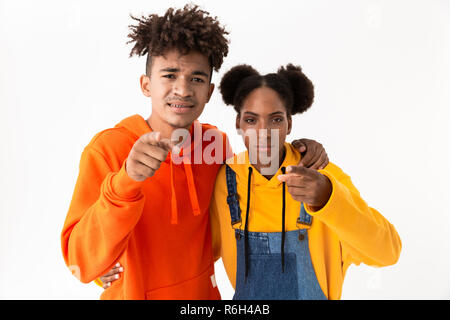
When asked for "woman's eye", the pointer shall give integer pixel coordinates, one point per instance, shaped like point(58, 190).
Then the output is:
point(278, 119)
point(250, 121)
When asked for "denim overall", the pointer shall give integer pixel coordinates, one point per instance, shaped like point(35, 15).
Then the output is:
point(274, 271)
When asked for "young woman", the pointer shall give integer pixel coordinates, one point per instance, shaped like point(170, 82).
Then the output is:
point(285, 231)
point(287, 236)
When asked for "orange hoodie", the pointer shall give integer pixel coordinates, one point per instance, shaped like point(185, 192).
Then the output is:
point(157, 229)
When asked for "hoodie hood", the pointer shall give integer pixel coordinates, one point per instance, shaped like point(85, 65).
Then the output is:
point(135, 124)
point(240, 164)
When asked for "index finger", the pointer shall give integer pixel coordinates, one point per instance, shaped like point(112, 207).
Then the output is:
point(293, 171)
point(151, 138)
point(168, 145)
point(297, 170)
point(154, 138)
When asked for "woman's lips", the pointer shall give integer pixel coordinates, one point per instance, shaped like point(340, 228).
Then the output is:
point(263, 148)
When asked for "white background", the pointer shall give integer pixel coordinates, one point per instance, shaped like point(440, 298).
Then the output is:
point(381, 70)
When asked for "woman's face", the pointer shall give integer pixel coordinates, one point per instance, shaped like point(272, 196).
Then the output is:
point(265, 123)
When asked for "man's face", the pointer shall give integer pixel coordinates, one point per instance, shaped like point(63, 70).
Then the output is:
point(179, 86)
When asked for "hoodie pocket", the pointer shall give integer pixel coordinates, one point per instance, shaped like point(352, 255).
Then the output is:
point(201, 287)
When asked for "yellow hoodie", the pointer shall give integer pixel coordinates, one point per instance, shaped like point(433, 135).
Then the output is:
point(345, 231)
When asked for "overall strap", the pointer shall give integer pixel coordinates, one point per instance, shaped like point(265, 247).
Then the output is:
point(232, 198)
point(304, 218)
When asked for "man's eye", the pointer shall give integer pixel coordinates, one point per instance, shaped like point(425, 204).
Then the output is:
point(169, 76)
point(200, 80)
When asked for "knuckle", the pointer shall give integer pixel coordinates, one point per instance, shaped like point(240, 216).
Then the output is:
point(149, 172)
point(157, 164)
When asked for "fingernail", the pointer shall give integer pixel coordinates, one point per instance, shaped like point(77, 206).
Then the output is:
point(289, 169)
point(108, 284)
point(121, 269)
point(117, 264)
point(116, 276)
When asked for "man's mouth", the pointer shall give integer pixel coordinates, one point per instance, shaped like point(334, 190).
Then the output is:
point(180, 107)
point(174, 105)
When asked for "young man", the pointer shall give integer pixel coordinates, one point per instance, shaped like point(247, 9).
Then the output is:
point(132, 204)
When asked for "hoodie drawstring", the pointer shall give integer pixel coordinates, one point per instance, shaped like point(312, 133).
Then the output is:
point(191, 188)
point(283, 217)
point(246, 222)
point(173, 199)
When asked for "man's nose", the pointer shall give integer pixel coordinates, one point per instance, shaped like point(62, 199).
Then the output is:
point(182, 87)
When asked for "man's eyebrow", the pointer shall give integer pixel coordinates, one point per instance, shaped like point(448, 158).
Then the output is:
point(194, 73)
point(169, 70)
point(200, 73)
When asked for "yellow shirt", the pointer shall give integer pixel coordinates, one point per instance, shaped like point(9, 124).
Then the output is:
point(345, 231)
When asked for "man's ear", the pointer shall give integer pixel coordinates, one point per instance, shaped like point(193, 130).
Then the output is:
point(145, 85)
point(211, 90)
point(289, 119)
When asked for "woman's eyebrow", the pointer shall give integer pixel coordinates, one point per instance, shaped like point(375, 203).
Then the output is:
point(276, 113)
point(251, 113)
point(271, 114)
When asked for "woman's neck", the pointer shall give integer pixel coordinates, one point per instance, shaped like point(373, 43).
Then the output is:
point(260, 167)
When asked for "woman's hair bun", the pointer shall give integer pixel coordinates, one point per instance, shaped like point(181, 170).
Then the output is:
point(302, 87)
point(232, 79)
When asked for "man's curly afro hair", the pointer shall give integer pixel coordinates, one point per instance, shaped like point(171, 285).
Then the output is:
point(184, 29)
point(291, 84)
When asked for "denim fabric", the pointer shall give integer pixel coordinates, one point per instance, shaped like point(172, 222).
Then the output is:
point(304, 217)
point(265, 280)
point(232, 198)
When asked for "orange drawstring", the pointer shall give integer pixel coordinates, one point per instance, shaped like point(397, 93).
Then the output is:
point(191, 187)
point(174, 217)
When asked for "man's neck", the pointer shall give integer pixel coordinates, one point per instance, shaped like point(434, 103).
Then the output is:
point(165, 129)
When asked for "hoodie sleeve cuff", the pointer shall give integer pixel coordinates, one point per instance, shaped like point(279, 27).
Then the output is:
point(125, 187)
point(331, 201)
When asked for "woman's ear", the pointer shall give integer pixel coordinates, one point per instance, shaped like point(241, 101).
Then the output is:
point(238, 120)
point(145, 85)
point(289, 119)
